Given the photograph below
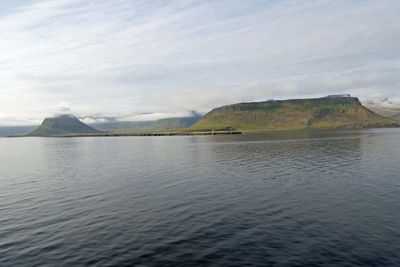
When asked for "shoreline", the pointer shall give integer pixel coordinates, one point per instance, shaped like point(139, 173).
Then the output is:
point(204, 133)
point(139, 134)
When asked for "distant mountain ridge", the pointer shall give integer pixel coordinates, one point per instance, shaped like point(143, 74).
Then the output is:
point(161, 125)
point(15, 130)
point(63, 125)
point(342, 111)
point(332, 112)
point(389, 112)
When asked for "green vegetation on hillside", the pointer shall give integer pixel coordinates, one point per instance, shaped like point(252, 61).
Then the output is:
point(389, 112)
point(172, 124)
point(319, 113)
point(161, 125)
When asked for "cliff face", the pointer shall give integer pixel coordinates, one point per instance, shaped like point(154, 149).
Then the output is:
point(318, 113)
point(61, 126)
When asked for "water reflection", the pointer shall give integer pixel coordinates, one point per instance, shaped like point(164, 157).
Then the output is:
point(288, 154)
point(288, 198)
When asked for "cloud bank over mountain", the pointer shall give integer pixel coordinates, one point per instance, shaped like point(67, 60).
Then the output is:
point(128, 59)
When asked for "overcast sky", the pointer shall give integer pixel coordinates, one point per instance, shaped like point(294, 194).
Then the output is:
point(134, 59)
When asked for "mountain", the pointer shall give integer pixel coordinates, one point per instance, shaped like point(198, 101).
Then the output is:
point(15, 130)
point(329, 112)
point(389, 112)
point(172, 124)
point(161, 125)
point(63, 125)
point(122, 126)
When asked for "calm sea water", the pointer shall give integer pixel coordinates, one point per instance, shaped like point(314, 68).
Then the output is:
point(284, 199)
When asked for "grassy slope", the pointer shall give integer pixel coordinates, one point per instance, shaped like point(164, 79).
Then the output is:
point(292, 115)
point(172, 124)
point(393, 113)
point(122, 126)
point(162, 125)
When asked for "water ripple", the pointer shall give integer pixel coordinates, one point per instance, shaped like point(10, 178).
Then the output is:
point(283, 199)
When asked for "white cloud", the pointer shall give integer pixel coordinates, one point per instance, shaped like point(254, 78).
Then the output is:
point(124, 58)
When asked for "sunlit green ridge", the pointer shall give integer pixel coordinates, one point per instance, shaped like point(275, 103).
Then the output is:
point(329, 112)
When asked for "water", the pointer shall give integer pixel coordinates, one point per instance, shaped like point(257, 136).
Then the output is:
point(285, 199)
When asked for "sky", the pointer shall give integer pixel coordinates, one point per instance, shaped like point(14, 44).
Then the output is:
point(146, 59)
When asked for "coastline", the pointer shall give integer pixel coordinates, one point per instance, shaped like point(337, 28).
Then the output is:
point(140, 134)
point(204, 133)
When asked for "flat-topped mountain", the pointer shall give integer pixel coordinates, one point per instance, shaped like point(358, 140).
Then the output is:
point(342, 111)
point(63, 125)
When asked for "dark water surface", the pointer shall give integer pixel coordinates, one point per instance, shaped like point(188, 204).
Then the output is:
point(285, 199)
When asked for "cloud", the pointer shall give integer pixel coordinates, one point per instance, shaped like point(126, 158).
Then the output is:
point(123, 58)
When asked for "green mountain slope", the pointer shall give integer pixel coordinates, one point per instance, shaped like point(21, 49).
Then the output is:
point(388, 112)
point(162, 125)
point(318, 113)
point(122, 126)
point(62, 126)
point(172, 124)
